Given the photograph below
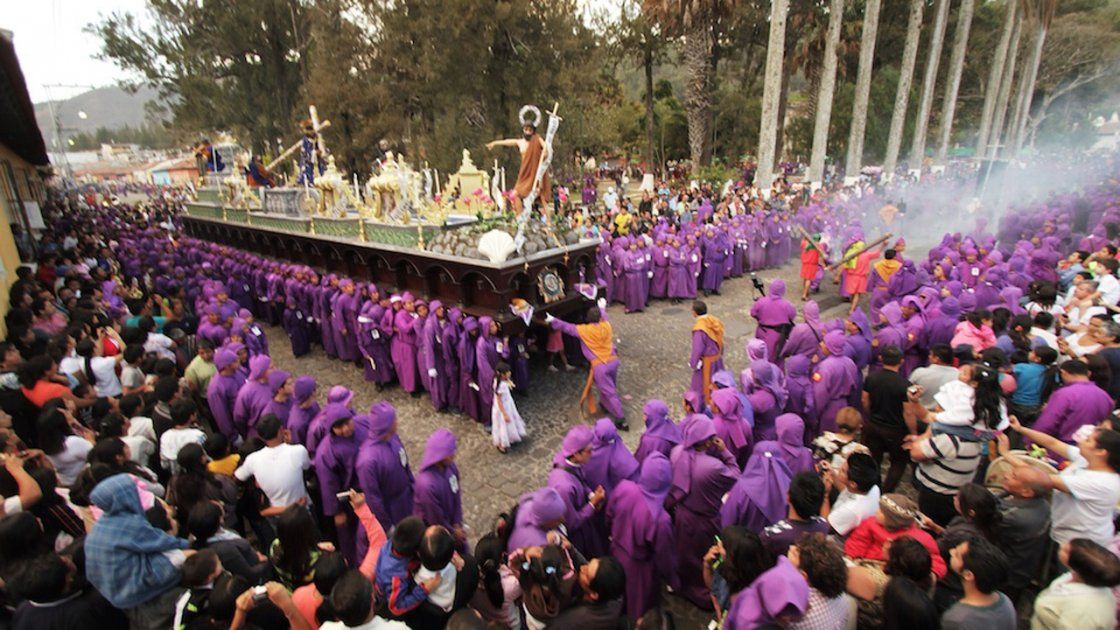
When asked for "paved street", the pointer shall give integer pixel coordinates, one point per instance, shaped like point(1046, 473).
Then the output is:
point(653, 347)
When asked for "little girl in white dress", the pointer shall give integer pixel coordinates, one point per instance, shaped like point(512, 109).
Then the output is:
point(506, 425)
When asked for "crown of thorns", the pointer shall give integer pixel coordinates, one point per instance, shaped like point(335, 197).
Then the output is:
point(530, 109)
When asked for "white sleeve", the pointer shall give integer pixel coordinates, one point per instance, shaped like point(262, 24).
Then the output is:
point(12, 505)
point(304, 458)
point(843, 520)
point(245, 470)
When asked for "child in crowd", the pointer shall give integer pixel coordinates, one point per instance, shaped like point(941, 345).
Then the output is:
point(222, 461)
point(506, 426)
point(835, 448)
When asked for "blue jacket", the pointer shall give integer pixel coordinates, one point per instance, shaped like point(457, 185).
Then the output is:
point(394, 583)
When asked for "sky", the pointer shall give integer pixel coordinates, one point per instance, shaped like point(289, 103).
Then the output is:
point(52, 47)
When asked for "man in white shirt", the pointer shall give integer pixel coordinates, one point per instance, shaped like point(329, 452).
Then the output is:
point(1080, 309)
point(1044, 329)
point(858, 481)
point(1108, 287)
point(278, 467)
point(1087, 490)
point(181, 434)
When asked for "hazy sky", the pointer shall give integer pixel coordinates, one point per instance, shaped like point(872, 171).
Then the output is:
point(53, 49)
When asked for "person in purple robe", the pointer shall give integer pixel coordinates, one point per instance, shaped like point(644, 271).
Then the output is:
point(404, 346)
point(694, 264)
point(970, 268)
point(431, 349)
point(893, 333)
point(729, 424)
point(914, 346)
point(338, 397)
point(221, 394)
point(489, 351)
point(581, 502)
point(836, 382)
point(373, 342)
point(642, 535)
point(904, 281)
point(619, 254)
point(767, 394)
point(344, 316)
point(799, 386)
point(941, 329)
point(774, 315)
point(323, 299)
point(805, 338)
point(449, 356)
point(678, 273)
point(780, 593)
point(294, 326)
point(422, 357)
point(611, 461)
point(280, 383)
point(383, 471)
point(604, 274)
point(518, 360)
point(211, 328)
point(539, 513)
point(468, 370)
point(335, 467)
point(304, 408)
point(254, 397)
point(255, 338)
point(661, 433)
point(760, 495)
point(637, 277)
point(714, 250)
point(703, 471)
point(791, 444)
point(436, 494)
point(597, 343)
point(659, 284)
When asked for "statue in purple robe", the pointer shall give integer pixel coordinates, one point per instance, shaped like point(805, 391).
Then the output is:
point(383, 471)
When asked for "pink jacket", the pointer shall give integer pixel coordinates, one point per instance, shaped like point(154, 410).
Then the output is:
point(979, 338)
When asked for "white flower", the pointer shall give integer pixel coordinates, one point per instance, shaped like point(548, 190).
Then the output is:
point(292, 55)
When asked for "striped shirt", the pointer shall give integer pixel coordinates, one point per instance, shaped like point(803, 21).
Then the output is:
point(952, 463)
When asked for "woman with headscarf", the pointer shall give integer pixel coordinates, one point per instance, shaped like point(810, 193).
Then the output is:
point(642, 535)
point(703, 471)
point(837, 382)
point(774, 315)
point(759, 497)
point(799, 385)
point(729, 424)
point(805, 338)
point(661, 433)
point(611, 461)
point(791, 443)
point(767, 395)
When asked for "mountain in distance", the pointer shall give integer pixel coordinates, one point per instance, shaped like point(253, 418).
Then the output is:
point(109, 107)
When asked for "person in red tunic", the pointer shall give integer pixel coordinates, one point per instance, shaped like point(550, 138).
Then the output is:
point(810, 263)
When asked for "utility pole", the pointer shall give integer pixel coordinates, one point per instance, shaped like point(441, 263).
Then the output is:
point(59, 146)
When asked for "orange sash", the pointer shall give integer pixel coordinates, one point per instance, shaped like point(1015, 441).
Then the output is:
point(599, 339)
point(711, 326)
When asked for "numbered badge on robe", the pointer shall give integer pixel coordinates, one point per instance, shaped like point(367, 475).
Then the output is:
point(499, 347)
point(404, 458)
point(299, 315)
point(453, 481)
point(376, 334)
point(256, 330)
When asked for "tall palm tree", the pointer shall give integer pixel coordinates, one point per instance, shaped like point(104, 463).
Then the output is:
point(905, 76)
point(698, 22)
point(1039, 13)
point(825, 92)
point(921, 124)
point(956, 69)
point(995, 73)
point(996, 138)
point(775, 58)
point(863, 88)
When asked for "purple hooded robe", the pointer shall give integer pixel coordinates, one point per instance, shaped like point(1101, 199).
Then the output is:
point(383, 470)
point(436, 492)
point(774, 314)
point(661, 433)
point(759, 497)
point(836, 382)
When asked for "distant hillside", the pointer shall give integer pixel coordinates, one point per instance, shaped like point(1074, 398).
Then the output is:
point(108, 107)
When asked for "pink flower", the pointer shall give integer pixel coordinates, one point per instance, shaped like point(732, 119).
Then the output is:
point(477, 192)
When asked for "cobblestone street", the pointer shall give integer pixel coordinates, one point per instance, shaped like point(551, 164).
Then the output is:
point(653, 347)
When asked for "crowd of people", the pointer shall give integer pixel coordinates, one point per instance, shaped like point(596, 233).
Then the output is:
point(158, 470)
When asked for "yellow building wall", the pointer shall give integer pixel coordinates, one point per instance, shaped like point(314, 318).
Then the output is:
point(9, 255)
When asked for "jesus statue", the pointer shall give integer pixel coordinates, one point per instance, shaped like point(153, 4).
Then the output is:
point(533, 150)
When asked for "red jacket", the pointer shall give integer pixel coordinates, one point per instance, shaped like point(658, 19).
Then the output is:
point(867, 539)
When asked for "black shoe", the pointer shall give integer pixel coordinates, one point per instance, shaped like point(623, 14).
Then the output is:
point(623, 426)
point(415, 394)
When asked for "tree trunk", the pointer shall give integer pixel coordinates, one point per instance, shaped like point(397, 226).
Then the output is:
point(995, 74)
point(783, 106)
point(827, 88)
point(647, 62)
point(768, 132)
point(905, 77)
point(863, 89)
point(995, 137)
point(1031, 72)
point(929, 84)
point(956, 69)
point(698, 90)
